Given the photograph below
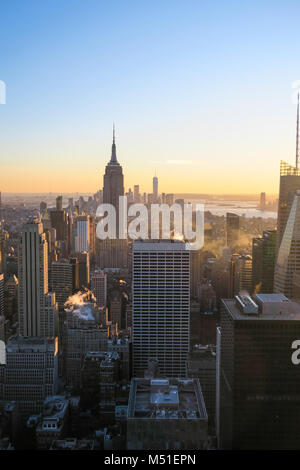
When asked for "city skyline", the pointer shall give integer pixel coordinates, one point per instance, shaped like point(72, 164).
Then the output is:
point(189, 89)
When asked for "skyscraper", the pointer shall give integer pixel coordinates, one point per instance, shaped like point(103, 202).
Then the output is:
point(289, 183)
point(113, 180)
point(82, 238)
point(136, 192)
point(161, 306)
point(155, 189)
point(240, 278)
point(258, 402)
point(1, 294)
point(31, 372)
point(62, 281)
point(288, 256)
point(99, 287)
point(232, 229)
point(35, 303)
point(262, 203)
point(263, 262)
point(113, 252)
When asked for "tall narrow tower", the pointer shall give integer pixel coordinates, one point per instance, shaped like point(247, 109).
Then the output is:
point(289, 184)
point(161, 306)
point(37, 307)
point(155, 189)
point(113, 181)
point(297, 135)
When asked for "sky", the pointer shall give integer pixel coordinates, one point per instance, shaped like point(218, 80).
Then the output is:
point(200, 93)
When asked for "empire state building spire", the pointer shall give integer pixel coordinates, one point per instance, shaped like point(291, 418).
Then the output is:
point(113, 159)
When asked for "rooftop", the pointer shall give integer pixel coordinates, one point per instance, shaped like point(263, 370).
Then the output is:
point(286, 310)
point(166, 399)
point(160, 245)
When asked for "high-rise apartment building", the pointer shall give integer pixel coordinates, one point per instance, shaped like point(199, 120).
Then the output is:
point(161, 306)
point(258, 401)
point(36, 305)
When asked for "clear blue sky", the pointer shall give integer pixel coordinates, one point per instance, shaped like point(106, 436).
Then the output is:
point(199, 91)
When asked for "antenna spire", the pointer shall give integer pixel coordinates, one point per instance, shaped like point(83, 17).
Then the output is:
point(297, 135)
point(113, 159)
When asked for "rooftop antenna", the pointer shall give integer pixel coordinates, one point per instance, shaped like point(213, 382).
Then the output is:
point(297, 134)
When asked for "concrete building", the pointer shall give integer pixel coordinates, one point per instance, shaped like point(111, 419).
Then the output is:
point(35, 304)
point(52, 423)
point(201, 364)
point(166, 414)
point(72, 444)
point(83, 334)
point(161, 306)
point(30, 373)
point(99, 287)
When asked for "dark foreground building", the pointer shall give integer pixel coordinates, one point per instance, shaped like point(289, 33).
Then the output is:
point(258, 395)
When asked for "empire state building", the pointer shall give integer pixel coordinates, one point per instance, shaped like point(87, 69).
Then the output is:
point(113, 252)
point(113, 180)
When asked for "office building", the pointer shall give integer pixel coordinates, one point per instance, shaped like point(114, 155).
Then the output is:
point(83, 334)
point(289, 183)
point(232, 229)
point(82, 238)
point(161, 306)
point(288, 255)
point(1, 294)
point(155, 189)
point(30, 373)
point(113, 181)
point(166, 414)
point(263, 262)
point(258, 397)
point(99, 287)
point(201, 364)
point(62, 281)
point(83, 269)
point(37, 307)
point(240, 278)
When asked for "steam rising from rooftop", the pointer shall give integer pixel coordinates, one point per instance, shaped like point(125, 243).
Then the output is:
point(81, 304)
